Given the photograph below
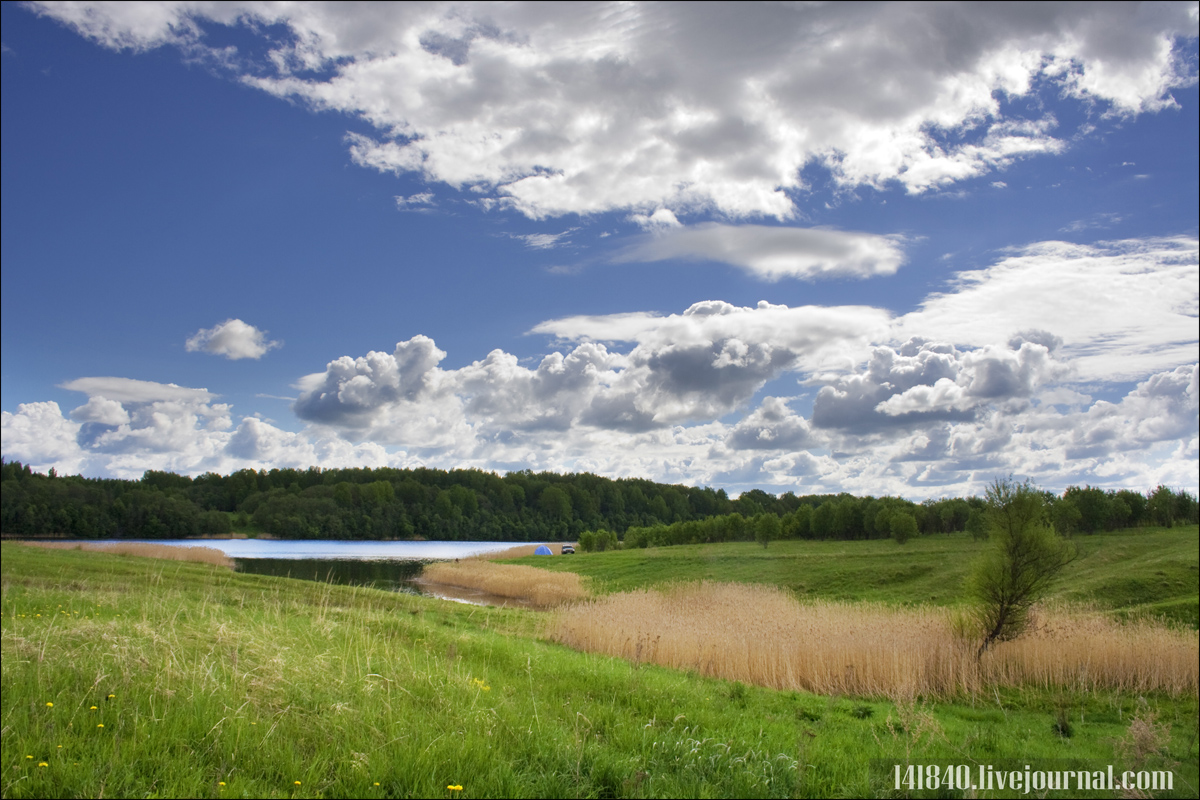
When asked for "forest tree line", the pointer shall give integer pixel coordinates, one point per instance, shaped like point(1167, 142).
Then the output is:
point(1077, 510)
point(389, 503)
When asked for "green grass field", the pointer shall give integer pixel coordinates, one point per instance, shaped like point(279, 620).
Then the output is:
point(124, 676)
point(1147, 570)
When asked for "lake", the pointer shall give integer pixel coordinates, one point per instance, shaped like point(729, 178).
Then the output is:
point(382, 565)
point(334, 549)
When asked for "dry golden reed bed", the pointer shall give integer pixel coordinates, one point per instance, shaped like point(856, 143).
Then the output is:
point(537, 586)
point(206, 555)
point(762, 635)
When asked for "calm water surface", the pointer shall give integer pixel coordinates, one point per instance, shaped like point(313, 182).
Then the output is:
point(338, 549)
point(382, 565)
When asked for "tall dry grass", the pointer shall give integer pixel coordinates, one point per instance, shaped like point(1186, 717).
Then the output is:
point(536, 586)
point(762, 635)
point(205, 555)
point(1089, 650)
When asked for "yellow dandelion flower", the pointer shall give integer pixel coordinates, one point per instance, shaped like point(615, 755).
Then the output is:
point(376, 783)
point(101, 725)
point(49, 705)
point(93, 708)
point(43, 764)
point(220, 783)
point(111, 696)
point(29, 757)
point(297, 783)
point(454, 787)
point(60, 747)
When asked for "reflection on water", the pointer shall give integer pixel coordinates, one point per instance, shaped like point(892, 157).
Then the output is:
point(391, 574)
point(300, 549)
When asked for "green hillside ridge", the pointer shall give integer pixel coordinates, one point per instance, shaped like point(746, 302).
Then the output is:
point(1143, 570)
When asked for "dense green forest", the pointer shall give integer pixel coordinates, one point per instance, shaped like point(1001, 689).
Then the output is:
point(389, 503)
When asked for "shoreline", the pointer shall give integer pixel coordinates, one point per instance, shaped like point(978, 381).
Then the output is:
point(166, 552)
point(17, 537)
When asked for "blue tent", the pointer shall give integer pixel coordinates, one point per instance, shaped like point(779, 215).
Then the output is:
point(542, 550)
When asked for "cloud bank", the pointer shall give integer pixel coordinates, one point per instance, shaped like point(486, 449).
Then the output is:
point(1122, 308)
point(808, 398)
point(584, 108)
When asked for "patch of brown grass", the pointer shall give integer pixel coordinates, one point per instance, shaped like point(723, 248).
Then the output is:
point(539, 587)
point(763, 635)
point(1089, 650)
point(205, 555)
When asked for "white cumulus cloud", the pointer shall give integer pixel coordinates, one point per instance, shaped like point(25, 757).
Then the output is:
point(233, 339)
point(165, 427)
point(683, 368)
point(40, 436)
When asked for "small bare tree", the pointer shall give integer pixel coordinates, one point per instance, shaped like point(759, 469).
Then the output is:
point(1023, 557)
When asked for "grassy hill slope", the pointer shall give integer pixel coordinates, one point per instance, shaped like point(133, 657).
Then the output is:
point(1143, 570)
point(124, 676)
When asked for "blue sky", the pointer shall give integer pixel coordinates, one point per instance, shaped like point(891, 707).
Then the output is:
point(878, 249)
